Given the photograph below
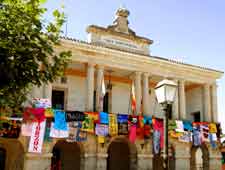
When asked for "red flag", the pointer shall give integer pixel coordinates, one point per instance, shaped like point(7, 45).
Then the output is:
point(133, 98)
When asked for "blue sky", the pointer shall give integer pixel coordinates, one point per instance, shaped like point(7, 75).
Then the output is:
point(191, 31)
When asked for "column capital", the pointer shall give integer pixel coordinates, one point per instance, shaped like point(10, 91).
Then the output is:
point(137, 73)
point(100, 67)
point(181, 80)
point(146, 74)
point(90, 64)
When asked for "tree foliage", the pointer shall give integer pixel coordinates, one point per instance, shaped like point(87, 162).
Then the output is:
point(27, 53)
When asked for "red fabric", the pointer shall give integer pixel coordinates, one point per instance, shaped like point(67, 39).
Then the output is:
point(158, 125)
point(94, 115)
point(140, 128)
point(147, 130)
point(34, 114)
point(132, 134)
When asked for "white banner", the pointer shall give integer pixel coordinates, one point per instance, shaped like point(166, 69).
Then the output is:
point(54, 133)
point(37, 137)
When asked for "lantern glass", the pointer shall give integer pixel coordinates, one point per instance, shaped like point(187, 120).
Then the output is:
point(166, 91)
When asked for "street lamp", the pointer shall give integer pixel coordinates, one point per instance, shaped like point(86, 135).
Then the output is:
point(165, 93)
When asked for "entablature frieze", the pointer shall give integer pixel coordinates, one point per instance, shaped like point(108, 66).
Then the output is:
point(86, 53)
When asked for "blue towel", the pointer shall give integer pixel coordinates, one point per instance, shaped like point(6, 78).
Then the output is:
point(104, 119)
point(60, 120)
point(122, 118)
point(147, 120)
point(187, 125)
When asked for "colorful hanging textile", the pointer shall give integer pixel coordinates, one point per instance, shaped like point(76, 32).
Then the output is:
point(94, 116)
point(81, 135)
point(101, 139)
point(49, 113)
point(26, 129)
point(180, 126)
point(104, 119)
point(41, 103)
point(88, 123)
point(60, 120)
point(172, 125)
point(101, 130)
point(74, 116)
point(122, 124)
point(147, 120)
point(55, 133)
point(47, 137)
point(212, 128)
point(147, 131)
point(132, 133)
point(197, 140)
point(132, 120)
point(113, 126)
point(175, 134)
point(140, 128)
point(34, 114)
point(213, 139)
point(158, 125)
point(185, 137)
point(204, 129)
point(73, 126)
point(122, 118)
point(187, 125)
point(37, 137)
point(156, 141)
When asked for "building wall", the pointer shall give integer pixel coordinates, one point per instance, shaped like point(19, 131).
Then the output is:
point(120, 97)
point(194, 102)
point(75, 92)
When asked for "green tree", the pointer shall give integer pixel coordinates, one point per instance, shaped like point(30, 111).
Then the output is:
point(27, 55)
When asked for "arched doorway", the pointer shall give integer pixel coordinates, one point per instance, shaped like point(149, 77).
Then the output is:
point(199, 158)
point(122, 155)
point(66, 156)
point(2, 158)
point(157, 162)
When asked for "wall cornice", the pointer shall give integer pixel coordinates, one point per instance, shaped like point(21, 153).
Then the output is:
point(84, 52)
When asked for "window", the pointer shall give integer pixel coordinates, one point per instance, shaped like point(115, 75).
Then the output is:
point(2, 158)
point(58, 99)
point(106, 102)
point(196, 116)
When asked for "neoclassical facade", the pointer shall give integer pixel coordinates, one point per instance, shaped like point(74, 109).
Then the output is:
point(122, 57)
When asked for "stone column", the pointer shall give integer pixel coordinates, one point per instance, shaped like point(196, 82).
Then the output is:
point(144, 161)
point(102, 161)
point(214, 103)
point(145, 94)
point(37, 161)
point(175, 108)
point(90, 161)
point(207, 103)
point(47, 91)
point(100, 74)
point(182, 99)
point(90, 87)
point(137, 84)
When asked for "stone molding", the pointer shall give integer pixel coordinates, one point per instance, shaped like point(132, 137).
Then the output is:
point(84, 52)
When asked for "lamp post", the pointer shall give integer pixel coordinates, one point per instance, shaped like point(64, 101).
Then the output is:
point(165, 93)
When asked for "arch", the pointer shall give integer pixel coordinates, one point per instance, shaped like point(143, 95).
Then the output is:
point(122, 155)
point(199, 158)
point(67, 156)
point(2, 158)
